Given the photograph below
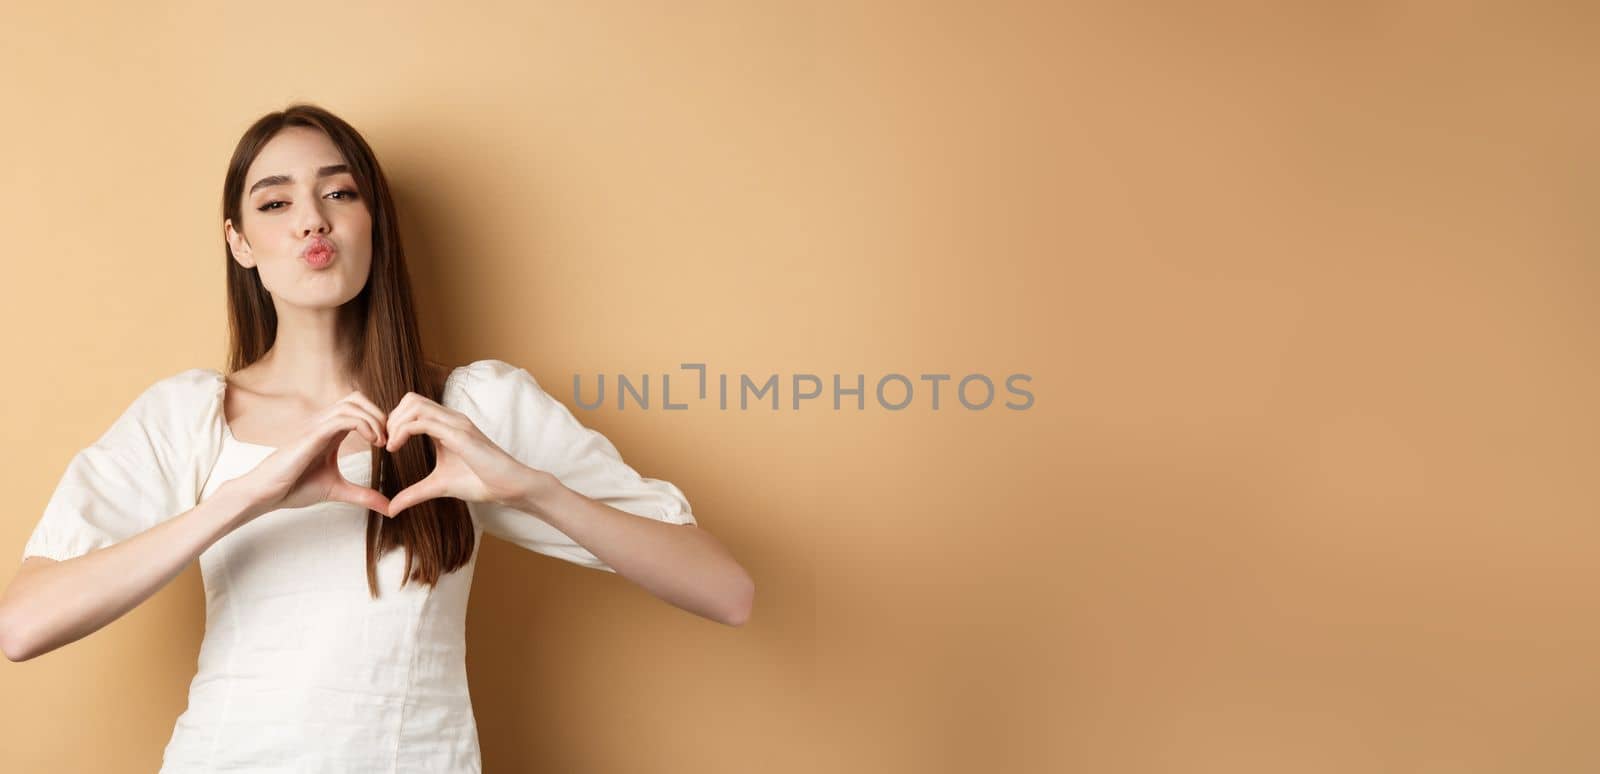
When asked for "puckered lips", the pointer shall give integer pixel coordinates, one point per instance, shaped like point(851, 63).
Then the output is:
point(319, 253)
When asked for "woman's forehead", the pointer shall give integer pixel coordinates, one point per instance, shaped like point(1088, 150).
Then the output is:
point(294, 150)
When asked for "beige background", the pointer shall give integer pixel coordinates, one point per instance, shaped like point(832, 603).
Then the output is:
point(1307, 296)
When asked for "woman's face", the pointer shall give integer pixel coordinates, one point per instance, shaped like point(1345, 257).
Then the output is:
point(296, 197)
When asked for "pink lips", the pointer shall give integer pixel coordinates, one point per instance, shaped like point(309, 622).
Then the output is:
point(319, 253)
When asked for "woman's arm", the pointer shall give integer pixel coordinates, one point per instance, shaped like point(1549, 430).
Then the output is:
point(49, 603)
point(681, 564)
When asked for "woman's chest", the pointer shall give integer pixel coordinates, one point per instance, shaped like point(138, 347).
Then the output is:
point(267, 421)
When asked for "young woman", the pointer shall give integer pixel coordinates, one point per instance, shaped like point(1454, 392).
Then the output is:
point(335, 485)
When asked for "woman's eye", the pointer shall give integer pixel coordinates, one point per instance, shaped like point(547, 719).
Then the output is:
point(348, 195)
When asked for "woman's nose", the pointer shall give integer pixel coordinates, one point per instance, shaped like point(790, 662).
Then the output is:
point(313, 221)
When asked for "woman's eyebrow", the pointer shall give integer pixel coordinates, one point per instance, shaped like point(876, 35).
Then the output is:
point(272, 180)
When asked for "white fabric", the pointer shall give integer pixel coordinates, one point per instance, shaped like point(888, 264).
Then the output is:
point(300, 669)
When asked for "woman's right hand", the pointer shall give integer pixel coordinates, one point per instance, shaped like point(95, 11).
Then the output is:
point(306, 472)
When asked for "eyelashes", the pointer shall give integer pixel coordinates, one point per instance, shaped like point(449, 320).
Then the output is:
point(349, 196)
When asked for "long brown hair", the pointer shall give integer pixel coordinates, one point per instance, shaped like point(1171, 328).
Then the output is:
point(382, 346)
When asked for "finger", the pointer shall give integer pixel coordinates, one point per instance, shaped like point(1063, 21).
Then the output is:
point(427, 489)
point(398, 434)
point(416, 404)
point(372, 408)
point(411, 404)
point(403, 428)
point(417, 397)
point(366, 497)
point(377, 428)
point(401, 414)
point(423, 409)
point(328, 433)
point(425, 425)
point(367, 426)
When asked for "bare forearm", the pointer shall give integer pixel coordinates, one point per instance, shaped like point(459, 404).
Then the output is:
point(680, 564)
point(62, 602)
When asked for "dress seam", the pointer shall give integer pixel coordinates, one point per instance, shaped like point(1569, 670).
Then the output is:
point(233, 650)
point(411, 676)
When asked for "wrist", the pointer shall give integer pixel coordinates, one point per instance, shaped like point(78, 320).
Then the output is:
point(237, 503)
point(535, 491)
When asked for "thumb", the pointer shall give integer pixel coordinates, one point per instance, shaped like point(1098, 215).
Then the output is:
point(360, 495)
point(429, 487)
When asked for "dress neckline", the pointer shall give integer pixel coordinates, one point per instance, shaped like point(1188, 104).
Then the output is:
point(227, 433)
point(227, 430)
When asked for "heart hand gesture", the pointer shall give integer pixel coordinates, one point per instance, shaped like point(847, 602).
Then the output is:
point(306, 472)
point(467, 465)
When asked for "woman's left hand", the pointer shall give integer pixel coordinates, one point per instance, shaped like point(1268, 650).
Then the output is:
point(467, 465)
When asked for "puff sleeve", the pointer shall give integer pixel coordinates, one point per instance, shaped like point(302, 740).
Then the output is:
point(510, 407)
point(146, 468)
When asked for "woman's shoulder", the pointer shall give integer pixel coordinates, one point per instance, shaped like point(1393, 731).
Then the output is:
point(181, 392)
point(492, 387)
point(490, 372)
point(171, 415)
point(189, 379)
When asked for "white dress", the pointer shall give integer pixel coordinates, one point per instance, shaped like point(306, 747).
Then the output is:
point(301, 670)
